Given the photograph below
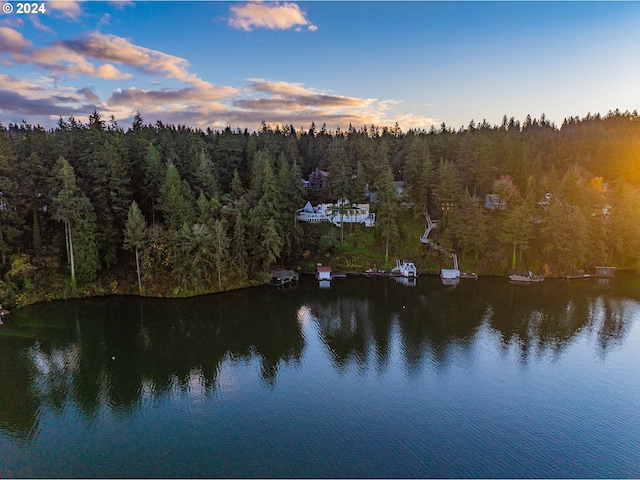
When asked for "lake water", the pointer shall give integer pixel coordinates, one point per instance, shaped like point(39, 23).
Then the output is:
point(369, 378)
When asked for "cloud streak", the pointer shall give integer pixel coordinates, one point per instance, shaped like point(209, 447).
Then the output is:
point(272, 16)
point(41, 99)
point(275, 102)
point(293, 96)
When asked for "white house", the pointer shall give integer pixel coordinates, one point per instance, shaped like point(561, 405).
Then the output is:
point(341, 211)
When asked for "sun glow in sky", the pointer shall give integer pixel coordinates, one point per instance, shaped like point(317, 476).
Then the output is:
point(218, 64)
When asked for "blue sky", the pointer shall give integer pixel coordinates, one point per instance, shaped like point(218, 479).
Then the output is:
point(213, 64)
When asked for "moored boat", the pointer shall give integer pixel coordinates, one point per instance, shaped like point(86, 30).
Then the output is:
point(374, 272)
point(528, 277)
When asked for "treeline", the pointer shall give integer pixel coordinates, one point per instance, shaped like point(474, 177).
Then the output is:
point(195, 211)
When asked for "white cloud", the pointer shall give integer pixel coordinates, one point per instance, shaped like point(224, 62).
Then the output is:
point(67, 9)
point(35, 20)
point(272, 16)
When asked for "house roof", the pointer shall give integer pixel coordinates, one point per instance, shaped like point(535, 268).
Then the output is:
point(322, 268)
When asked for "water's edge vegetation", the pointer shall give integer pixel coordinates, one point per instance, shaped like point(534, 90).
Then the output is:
point(171, 211)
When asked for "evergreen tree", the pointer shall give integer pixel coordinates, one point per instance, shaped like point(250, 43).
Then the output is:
point(387, 209)
point(154, 175)
point(340, 182)
point(266, 231)
point(624, 224)
point(11, 222)
point(271, 243)
point(134, 235)
point(205, 179)
point(236, 191)
point(220, 244)
point(111, 197)
point(74, 210)
point(468, 227)
point(174, 200)
point(418, 172)
point(517, 227)
point(447, 191)
point(194, 256)
point(239, 245)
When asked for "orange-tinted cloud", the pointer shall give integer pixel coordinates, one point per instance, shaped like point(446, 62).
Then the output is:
point(273, 16)
point(12, 41)
point(293, 96)
point(57, 58)
point(189, 95)
point(115, 49)
point(118, 50)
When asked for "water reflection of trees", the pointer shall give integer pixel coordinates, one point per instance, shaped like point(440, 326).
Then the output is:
point(357, 324)
point(433, 321)
point(115, 351)
point(546, 318)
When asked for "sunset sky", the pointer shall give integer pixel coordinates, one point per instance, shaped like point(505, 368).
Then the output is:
point(213, 64)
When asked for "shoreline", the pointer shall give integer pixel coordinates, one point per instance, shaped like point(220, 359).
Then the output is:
point(255, 284)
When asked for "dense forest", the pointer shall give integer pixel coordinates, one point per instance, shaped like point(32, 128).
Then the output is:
point(170, 210)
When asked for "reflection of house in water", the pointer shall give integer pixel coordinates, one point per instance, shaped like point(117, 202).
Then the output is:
point(406, 281)
point(450, 281)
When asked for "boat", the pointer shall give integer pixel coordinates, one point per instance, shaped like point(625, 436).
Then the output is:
point(525, 277)
point(471, 275)
point(374, 272)
point(404, 269)
point(520, 278)
point(579, 275)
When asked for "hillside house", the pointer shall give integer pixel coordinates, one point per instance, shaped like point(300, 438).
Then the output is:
point(318, 179)
point(340, 212)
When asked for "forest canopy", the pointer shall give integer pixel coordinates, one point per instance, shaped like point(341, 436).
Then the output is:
point(87, 206)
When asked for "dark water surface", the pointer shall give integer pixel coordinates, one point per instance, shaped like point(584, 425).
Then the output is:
point(367, 379)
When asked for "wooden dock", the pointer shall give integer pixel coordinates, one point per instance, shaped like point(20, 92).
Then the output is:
point(598, 272)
